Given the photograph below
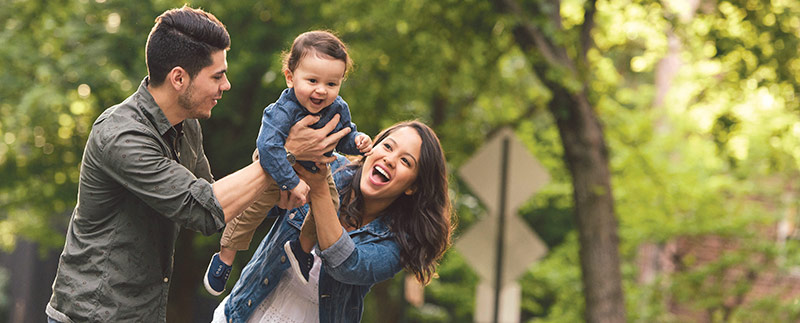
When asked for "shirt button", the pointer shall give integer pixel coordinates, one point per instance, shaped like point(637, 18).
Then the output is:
point(266, 281)
point(166, 279)
point(249, 302)
point(291, 216)
point(283, 187)
point(283, 259)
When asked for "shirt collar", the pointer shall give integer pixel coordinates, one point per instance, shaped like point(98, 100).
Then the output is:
point(147, 104)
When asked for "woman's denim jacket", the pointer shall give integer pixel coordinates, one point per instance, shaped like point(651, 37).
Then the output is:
point(350, 267)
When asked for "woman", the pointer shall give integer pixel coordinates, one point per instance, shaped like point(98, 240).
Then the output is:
point(394, 214)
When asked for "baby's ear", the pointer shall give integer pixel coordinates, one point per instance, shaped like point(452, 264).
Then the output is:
point(289, 78)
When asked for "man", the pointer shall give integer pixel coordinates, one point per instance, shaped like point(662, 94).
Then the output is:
point(144, 175)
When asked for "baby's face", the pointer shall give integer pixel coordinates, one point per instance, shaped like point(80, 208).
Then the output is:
point(316, 80)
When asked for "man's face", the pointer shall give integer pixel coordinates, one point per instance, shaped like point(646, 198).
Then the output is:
point(203, 91)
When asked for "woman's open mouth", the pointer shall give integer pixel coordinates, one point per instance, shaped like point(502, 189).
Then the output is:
point(379, 175)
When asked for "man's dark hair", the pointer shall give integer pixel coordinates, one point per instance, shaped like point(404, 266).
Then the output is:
point(184, 37)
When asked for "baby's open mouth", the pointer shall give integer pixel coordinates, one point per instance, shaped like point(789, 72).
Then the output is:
point(316, 101)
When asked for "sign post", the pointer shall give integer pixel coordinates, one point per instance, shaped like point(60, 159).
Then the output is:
point(503, 175)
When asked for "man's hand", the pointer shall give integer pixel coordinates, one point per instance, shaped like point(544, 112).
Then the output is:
point(310, 144)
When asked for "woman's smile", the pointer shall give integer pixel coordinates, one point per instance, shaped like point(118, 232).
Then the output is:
point(379, 175)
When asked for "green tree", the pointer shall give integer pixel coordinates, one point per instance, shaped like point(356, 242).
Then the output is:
point(60, 68)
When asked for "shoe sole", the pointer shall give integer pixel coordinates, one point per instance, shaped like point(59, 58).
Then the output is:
point(207, 285)
point(293, 262)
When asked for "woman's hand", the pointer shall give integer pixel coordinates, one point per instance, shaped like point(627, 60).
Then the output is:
point(310, 144)
point(316, 181)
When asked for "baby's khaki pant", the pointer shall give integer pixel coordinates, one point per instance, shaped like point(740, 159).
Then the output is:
point(239, 232)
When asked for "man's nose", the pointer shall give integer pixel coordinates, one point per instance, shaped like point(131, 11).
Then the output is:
point(226, 86)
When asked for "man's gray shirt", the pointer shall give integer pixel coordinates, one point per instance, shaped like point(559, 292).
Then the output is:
point(141, 180)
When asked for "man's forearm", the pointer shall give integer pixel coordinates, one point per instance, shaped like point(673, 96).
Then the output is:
point(237, 191)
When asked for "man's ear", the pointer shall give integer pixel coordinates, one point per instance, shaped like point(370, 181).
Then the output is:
point(178, 78)
point(289, 78)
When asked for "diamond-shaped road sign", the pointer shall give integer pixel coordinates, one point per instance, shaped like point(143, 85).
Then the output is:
point(482, 172)
point(503, 175)
point(522, 247)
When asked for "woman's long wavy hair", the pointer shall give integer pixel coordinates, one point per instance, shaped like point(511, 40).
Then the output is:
point(421, 221)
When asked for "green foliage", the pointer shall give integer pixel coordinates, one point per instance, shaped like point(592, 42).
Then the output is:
point(552, 291)
point(5, 302)
point(65, 70)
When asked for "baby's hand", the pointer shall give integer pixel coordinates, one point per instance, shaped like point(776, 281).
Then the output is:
point(364, 143)
point(300, 192)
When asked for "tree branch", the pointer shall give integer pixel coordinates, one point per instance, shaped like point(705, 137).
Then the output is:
point(586, 29)
point(528, 35)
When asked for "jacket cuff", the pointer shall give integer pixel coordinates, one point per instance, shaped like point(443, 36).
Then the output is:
point(337, 253)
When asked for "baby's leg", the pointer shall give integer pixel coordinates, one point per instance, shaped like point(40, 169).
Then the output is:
point(239, 232)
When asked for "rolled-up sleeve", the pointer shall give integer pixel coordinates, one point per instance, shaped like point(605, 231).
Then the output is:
point(337, 253)
point(361, 264)
point(203, 192)
point(135, 160)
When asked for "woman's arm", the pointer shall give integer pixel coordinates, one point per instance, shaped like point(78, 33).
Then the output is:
point(366, 263)
point(329, 230)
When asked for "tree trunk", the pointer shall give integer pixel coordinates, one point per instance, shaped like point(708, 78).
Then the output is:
point(585, 154)
point(587, 159)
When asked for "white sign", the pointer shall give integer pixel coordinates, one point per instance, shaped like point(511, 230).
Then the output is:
point(509, 303)
point(520, 245)
point(522, 248)
point(525, 174)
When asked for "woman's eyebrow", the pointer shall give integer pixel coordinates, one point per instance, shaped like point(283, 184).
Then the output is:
point(395, 143)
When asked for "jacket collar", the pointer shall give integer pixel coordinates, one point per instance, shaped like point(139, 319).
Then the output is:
point(377, 227)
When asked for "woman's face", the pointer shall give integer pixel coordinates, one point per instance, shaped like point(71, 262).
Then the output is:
point(392, 167)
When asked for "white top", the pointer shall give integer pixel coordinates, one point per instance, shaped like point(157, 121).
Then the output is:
point(290, 302)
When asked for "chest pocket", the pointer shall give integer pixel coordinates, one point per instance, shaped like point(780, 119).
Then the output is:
point(296, 217)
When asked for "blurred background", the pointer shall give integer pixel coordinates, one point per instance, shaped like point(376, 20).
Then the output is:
point(700, 139)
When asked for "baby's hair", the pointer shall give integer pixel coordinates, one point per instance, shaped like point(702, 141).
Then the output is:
point(318, 42)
